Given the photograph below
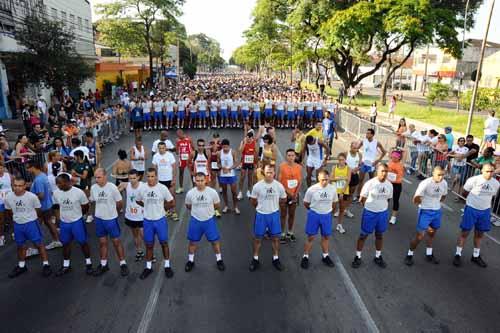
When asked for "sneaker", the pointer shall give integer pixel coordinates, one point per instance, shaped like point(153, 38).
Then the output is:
point(220, 265)
point(237, 211)
point(145, 273)
point(340, 228)
point(457, 261)
point(220, 189)
point(356, 262)
point(304, 263)
point(224, 211)
point(53, 245)
point(189, 266)
point(139, 256)
point(248, 194)
point(63, 271)
point(380, 262)
point(46, 270)
point(277, 264)
point(89, 219)
point(328, 261)
point(336, 214)
point(168, 213)
point(30, 252)
point(239, 196)
point(169, 273)
point(430, 258)
point(124, 271)
point(409, 260)
point(496, 223)
point(17, 271)
point(179, 190)
point(293, 238)
point(479, 261)
point(349, 214)
point(100, 270)
point(2, 240)
point(174, 216)
point(283, 239)
point(392, 220)
point(254, 265)
point(89, 270)
point(217, 213)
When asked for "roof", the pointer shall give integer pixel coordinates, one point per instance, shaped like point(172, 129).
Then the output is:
point(479, 43)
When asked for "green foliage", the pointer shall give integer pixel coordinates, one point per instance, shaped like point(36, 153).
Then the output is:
point(438, 92)
point(487, 99)
point(119, 81)
point(208, 51)
point(50, 57)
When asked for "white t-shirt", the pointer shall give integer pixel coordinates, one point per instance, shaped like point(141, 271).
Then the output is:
point(491, 125)
point(480, 192)
point(431, 193)
point(70, 204)
point(320, 198)
point(462, 151)
point(5, 186)
point(202, 203)
point(23, 207)
point(169, 106)
point(168, 144)
point(164, 163)
point(158, 106)
point(84, 149)
point(268, 196)
point(376, 194)
point(133, 211)
point(154, 198)
point(105, 198)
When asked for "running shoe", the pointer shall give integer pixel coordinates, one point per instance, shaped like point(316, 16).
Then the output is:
point(340, 229)
point(179, 190)
point(174, 216)
point(336, 214)
point(277, 264)
point(356, 262)
point(139, 256)
point(2, 240)
point(249, 194)
point(169, 273)
point(328, 261)
point(237, 211)
point(380, 262)
point(53, 245)
point(46, 270)
point(409, 260)
point(145, 273)
point(100, 270)
point(254, 265)
point(479, 261)
point(430, 258)
point(304, 263)
point(189, 266)
point(168, 213)
point(239, 196)
point(349, 214)
point(89, 270)
point(283, 239)
point(30, 252)
point(89, 219)
point(124, 271)
point(224, 211)
point(17, 271)
point(63, 271)
point(393, 220)
point(292, 237)
point(220, 265)
point(217, 213)
point(457, 261)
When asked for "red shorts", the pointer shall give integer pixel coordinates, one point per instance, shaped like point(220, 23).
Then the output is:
point(183, 163)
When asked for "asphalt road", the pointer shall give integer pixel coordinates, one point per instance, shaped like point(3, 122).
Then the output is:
point(422, 298)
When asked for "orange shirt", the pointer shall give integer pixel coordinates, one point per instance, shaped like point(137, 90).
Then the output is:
point(396, 172)
point(290, 176)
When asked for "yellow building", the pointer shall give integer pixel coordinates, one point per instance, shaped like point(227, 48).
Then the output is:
point(491, 71)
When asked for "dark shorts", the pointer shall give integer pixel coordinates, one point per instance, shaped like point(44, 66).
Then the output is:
point(247, 166)
point(168, 184)
point(138, 124)
point(354, 180)
point(133, 224)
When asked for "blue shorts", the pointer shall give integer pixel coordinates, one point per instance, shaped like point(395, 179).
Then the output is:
point(268, 113)
point(265, 222)
point(181, 115)
point(491, 137)
point(479, 219)
point(2, 208)
point(169, 115)
point(315, 221)
point(156, 227)
point(213, 114)
point(28, 232)
point(147, 116)
point(280, 114)
point(158, 116)
point(197, 229)
point(319, 114)
point(428, 218)
point(256, 115)
point(202, 114)
point(234, 115)
point(105, 228)
point(73, 231)
point(300, 113)
point(223, 113)
point(371, 221)
point(245, 113)
point(290, 115)
point(366, 168)
point(227, 180)
point(309, 114)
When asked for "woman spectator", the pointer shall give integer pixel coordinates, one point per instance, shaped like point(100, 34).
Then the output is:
point(441, 152)
point(59, 146)
point(392, 107)
point(22, 150)
point(458, 155)
point(400, 133)
point(487, 157)
point(373, 113)
point(121, 168)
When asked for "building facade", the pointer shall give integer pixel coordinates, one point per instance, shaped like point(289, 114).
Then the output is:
point(490, 77)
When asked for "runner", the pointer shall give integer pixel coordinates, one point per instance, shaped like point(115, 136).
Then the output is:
point(268, 195)
point(169, 106)
point(290, 176)
point(429, 195)
point(199, 161)
point(370, 160)
point(256, 105)
point(181, 112)
point(166, 166)
point(156, 200)
point(395, 175)
point(341, 177)
point(147, 106)
point(214, 108)
point(137, 118)
point(5, 188)
point(108, 201)
point(234, 107)
point(138, 157)
point(375, 196)
point(158, 113)
point(353, 161)
point(71, 203)
point(25, 208)
point(184, 147)
point(316, 158)
point(134, 214)
point(163, 138)
point(320, 200)
point(202, 202)
point(223, 104)
point(226, 162)
point(95, 156)
point(479, 190)
point(248, 150)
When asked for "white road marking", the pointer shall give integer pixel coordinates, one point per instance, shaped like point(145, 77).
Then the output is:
point(448, 208)
point(492, 238)
point(358, 301)
point(147, 316)
point(407, 181)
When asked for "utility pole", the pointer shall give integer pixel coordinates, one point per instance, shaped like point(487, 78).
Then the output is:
point(479, 68)
point(424, 81)
point(177, 61)
point(461, 77)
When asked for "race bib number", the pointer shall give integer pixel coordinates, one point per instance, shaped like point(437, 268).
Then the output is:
point(184, 156)
point(2, 195)
point(214, 165)
point(340, 183)
point(292, 183)
point(133, 210)
point(77, 180)
point(391, 176)
point(248, 159)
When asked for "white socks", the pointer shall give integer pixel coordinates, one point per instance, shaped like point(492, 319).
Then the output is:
point(191, 257)
point(459, 251)
point(88, 261)
point(358, 254)
point(475, 253)
point(256, 257)
point(104, 262)
point(22, 264)
point(166, 263)
point(428, 251)
point(306, 256)
point(275, 257)
point(325, 255)
point(149, 265)
point(218, 256)
point(410, 252)
point(65, 263)
point(122, 262)
point(378, 254)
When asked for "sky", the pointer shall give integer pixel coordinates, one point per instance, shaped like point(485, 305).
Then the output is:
point(226, 20)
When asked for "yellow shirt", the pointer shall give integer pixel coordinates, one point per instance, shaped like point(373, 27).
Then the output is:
point(315, 133)
point(341, 176)
point(299, 143)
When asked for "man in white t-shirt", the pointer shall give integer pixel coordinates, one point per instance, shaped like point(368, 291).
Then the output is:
point(479, 190)
point(163, 138)
point(202, 201)
point(166, 166)
point(320, 200)
point(26, 209)
point(156, 200)
point(375, 196)
point(108, 202)
point(72, 203)
point(490, 130)
point(429, 195)
point(267, 196)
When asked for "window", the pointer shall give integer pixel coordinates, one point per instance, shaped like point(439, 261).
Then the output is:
point(108, 53)
point(54, 13)
point(64, 17)
point(72, 20)
point(446, 59)
point(87, 25)
point(80, 25)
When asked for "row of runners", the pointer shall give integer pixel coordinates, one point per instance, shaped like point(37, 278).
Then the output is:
point(275, 201)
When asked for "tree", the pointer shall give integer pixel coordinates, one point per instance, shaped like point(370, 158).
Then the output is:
point(208, 51)
point(49, 57)
point(438, 92)
point(140, 17)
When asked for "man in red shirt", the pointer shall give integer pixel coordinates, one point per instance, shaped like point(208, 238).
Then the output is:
point(249, 154)
point(184, 147)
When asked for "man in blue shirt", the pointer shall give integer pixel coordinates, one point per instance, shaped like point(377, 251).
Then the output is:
point(137, 117)
point(41, 188)
point(449, 137)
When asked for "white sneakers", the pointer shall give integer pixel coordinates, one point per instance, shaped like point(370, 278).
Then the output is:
point(340, 228)
point(239, 196)
point(349, 214)
point(53, 245)
point(179, 190)
point(30, 252)
point(248, 194)
point(2, 240)
point(89, 219)
point(393, 220)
